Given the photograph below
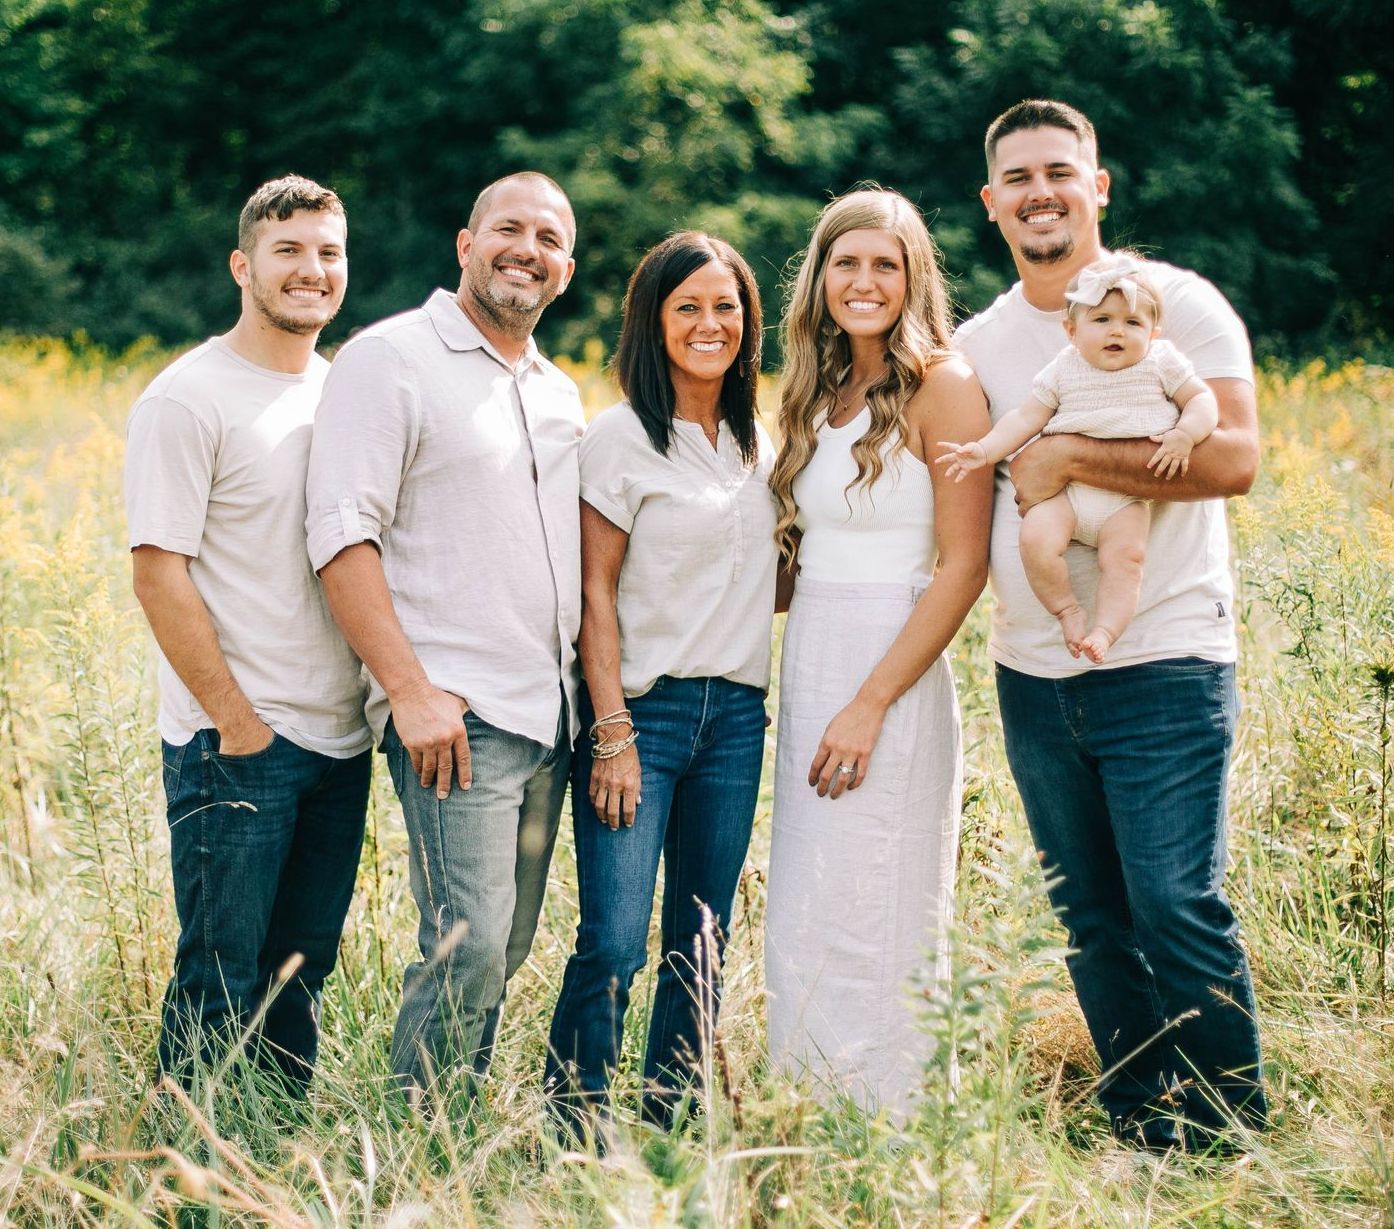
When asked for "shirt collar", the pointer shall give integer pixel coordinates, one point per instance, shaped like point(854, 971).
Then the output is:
point(458, 332)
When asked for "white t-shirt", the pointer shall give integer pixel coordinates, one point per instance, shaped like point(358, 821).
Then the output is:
point(696, 591)
point(216, 450)
point(1186, 604)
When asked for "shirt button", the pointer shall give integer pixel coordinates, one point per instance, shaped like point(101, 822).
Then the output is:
point(346, 502)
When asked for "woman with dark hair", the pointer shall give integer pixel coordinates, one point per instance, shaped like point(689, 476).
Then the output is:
point(678, 576)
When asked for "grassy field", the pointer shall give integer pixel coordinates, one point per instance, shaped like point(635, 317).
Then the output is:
point(87, 929)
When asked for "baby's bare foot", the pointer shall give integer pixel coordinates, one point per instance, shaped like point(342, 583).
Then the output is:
point(1073, 624)
point(1097, 644)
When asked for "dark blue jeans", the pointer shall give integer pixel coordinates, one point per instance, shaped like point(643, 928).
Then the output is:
point(701, 742)
point(1123, 776)
point(264, 850)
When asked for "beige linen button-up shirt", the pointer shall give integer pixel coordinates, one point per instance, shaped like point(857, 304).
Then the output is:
point(462, 471)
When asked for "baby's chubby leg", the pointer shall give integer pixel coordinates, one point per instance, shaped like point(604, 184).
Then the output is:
point(1046, 530)
point(1122, 549)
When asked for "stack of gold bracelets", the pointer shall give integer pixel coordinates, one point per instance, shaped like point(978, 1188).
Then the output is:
point(608, 748)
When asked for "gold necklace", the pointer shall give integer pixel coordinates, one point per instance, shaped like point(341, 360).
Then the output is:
point(846, 403)
point(709, 432)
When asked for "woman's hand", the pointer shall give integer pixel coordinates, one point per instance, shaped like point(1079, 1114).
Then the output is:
point(845, 749)
point(614, 789)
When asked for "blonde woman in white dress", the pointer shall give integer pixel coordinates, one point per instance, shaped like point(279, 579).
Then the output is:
point(888, 557)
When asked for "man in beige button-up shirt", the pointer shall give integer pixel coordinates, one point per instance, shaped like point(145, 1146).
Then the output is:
point(442, 520)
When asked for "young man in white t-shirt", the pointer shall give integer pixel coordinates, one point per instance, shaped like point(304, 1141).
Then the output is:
point(1122, 767)
point(266, 750)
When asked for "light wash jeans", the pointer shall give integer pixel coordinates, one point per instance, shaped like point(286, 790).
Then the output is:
point(479, 863)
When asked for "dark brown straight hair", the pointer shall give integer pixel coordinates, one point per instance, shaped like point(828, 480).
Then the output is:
point(641, 362)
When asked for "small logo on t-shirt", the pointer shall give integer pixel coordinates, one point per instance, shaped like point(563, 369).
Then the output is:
point(1219, 610)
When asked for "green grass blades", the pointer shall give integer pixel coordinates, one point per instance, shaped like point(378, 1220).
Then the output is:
point(1006, 1134)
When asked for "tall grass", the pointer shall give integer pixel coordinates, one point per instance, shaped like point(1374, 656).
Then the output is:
point(1006, 1134)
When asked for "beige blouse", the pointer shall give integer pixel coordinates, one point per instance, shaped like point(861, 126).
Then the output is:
point(696, 591)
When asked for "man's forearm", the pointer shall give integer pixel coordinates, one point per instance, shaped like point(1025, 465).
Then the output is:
point(355, 587)
point(1121, 465)
point(184, 631)
point(1223, 464)
point(427, 719)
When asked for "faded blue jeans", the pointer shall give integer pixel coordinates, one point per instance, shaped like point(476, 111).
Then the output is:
point(1123, 775)
point(264, 850)
point(478, 872)
point(701, 742)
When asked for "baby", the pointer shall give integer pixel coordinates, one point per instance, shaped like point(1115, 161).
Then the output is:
point(1115, 380)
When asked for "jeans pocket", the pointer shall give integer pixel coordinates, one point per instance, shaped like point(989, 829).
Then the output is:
point(398, 759)
point(243, 784)
point(172, 765)
point(252, 756)
point(395, 754)
point(184, 770)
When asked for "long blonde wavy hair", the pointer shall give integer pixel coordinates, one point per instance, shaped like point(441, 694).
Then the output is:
point(818, 357)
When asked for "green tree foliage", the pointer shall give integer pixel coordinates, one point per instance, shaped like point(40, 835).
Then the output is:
point(1203, 161)
point(1339, 87)
point(1241, 137)
point(698, 124)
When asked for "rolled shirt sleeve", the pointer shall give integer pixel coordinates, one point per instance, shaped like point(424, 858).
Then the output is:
point(1199, 321)
point(605, 469)
point(366, 432)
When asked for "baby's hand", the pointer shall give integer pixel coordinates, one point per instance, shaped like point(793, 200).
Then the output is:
point(962, 458)
point(1174, 455)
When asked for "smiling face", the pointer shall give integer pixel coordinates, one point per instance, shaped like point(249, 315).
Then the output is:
point(1111, 336)
point(295, 276)
point(1045, 194)
point(864, 282)
point(703, 325)
point(518, 257)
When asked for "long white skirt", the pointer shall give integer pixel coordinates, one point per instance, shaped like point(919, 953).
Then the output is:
point(860, 887)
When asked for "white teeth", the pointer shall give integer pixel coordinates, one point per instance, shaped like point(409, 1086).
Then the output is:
point(862, 305)
point(706, 347)
point(519, 275)
point(305, 292)
point(1042, 219)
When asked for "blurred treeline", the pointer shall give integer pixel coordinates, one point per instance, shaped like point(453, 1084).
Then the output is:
point(1250, 139)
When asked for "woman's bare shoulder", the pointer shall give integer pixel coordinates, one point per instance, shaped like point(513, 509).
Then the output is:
point(949, 385)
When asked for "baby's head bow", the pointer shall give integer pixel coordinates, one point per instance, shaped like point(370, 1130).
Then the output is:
point(1095, 281)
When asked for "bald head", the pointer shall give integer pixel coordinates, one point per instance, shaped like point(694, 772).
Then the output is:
point(533, 179)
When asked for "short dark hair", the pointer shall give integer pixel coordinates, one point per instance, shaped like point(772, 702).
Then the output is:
point(1040, 113)
point(641, 361)
point(278, 199)
point(537, 179)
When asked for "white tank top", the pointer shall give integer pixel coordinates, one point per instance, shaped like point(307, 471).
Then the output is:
point(884, 533)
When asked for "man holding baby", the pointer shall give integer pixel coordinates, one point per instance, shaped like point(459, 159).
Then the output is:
point(1122, 765)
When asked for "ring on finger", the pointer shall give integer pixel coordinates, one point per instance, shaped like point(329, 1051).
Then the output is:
point(846, 769)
